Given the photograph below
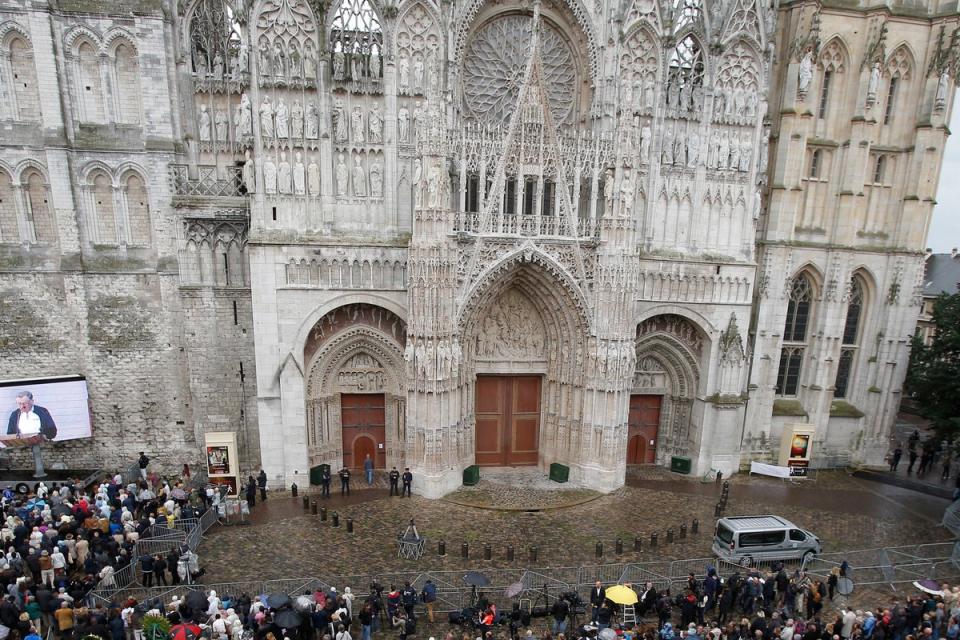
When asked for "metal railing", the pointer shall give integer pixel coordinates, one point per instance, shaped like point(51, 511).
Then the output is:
point(210, 181)
point(887, 566)
point(557, 226)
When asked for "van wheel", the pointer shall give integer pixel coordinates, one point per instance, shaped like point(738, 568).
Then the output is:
point(746, 561)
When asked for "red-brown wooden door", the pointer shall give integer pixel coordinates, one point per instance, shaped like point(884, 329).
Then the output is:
point(363, 424)
point(508, 420)
point(644, 422)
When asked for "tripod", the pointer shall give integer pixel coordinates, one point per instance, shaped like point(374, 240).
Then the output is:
point(543, 595)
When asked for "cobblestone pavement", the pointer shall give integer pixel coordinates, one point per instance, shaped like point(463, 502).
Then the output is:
point(286, 542)
point(520, 489)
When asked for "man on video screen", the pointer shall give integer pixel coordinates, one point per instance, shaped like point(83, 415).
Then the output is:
point(29, 420)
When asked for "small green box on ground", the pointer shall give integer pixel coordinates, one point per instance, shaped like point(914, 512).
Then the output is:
point(471, 475)
point(559, 472)
point(680, 464)
point(316, 473)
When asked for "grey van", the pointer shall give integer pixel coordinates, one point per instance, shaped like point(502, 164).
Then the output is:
point(746, 539)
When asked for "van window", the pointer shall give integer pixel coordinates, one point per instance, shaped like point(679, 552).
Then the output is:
point(725, 534)
point(761, 538)
point(797, 536)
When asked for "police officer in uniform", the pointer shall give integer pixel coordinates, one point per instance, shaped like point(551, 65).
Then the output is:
point(394, 482)
point(325, 482)
point(407, 481)
point(344, 481)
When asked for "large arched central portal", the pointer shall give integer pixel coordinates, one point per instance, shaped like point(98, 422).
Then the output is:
point(523, 332)
point(355, 394)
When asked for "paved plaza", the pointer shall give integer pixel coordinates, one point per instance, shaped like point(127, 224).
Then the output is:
point(284, 541)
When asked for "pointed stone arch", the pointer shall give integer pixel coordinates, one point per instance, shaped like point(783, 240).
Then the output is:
point(835, 55)
point(354, 349)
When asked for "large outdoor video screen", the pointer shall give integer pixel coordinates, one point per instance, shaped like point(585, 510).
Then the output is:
point(57, 405)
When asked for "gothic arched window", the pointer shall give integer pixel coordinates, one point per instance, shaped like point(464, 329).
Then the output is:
point(104, 209)
point(799, 311)
point(90, 83)
point(686, 75)
point(138, 211)
point(126, 73)
point(39, 220)
point(851, 337)
point(9, 228)
point(686, 12)
point(22, 80)
point(355, 33)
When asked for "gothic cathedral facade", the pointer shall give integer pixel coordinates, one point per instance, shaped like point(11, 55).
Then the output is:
point(442, 233)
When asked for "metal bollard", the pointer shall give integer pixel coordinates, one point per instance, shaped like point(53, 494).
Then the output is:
point(465, 550)
point(510, 553)
point(599, 549)
point(313, 508)
point(719, 476)
point(637, 543)
point(695, 527)
point(487, 552)
point(683, 531)
point(349, 525)
point(533, 554)
point(336, 519)
point(619, 546)
point(653, 540)
point(726, 486)
point(442, 549)
point(323, 513)
point(718, 510)
point(669, 536)
point(293, 489)
point(306, 502)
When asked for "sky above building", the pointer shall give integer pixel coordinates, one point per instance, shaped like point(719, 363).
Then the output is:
point(945, 229)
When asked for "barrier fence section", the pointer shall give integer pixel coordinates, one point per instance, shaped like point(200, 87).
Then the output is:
point(881, 566)
point(158, 539)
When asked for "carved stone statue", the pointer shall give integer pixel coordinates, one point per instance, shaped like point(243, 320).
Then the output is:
point(435, 186)
point(313, 177)
point(764, 153)
point(243, 60)
point(757, 204)
point(221, 126)
point(626, 193)
point(734, 153)
point(266, 118)
point(680, 149)
point(713, 152)
point(432, 70)
point(645, 135)
point(338, 66)
point(266, 62)
point(693, 149)
point(376, 124)
point(943, 84)
point(279, 60)
point(376, 180)
point(805, 73)
point(359, 178)
point(269, 176)
point(342, 173)
point(375, 65)
point(874, 83)
point(339, 115)
point(296, 122)
point(718, 105)
point(356, 67)
point(649, 94)
point(403, 72)
point(356, 125)
point(249, 179)
point(296, 68)
point(667, 155)
point(403, 124)
point(312, 122)
point(608, 186)
point(723, 152)
point(244, 118)
point(417, 182)
point(299, 176)
point(218, 66)
point(418, 73)
point(283, 175)
point(746, 151)
point(204, 124)
point(310, 65)
point(418, 126)
point(283, 120)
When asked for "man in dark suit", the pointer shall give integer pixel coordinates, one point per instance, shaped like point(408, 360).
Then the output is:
point(407, 481)
point(597, 595)
point(29, 419)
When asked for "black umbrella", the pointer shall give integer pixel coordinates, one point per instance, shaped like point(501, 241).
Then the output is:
point(197, 600)
point(59, 511)
point(288, 619)
point(278, 601)
point(475, 579)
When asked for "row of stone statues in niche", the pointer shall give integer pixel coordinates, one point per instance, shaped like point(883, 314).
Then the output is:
point(359, 66)
point(353, 182)
point(425, 76)
point(358, 128)
point(289, 123)
point(723, 150)
point(205, 68)
point(284, 63)
point(433, 362)
point(213, 129)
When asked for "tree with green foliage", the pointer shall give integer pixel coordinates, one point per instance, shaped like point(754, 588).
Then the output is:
point(933, 377)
